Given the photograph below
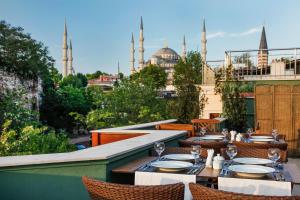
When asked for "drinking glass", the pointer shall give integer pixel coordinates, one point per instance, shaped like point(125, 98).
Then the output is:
point(249, 132)
point(274, 155)
point(159, 148)
point(225, 133)
point(196, 151)
point(275, 134)
point(231, 151)
point(203, 131)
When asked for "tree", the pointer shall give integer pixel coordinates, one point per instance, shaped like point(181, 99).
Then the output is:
point(22, 55)
point(71, 80)
point(245, 58)
point(151, 75)
point(187, 75)
point(95, 75)
point(234, 105)
point(83, 79)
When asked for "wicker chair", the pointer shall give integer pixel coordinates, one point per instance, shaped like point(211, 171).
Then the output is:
point(216, 145)
point(281, 146)
point(210, 124)
point(180, 150)
point(256, 153)
point(99, 190)
point(200, 192)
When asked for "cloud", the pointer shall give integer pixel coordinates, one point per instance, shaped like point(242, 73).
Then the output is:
point(241, 34)
point(247, 32)
point(216, 35)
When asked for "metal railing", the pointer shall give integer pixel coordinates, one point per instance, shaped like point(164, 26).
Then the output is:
point(264, 64)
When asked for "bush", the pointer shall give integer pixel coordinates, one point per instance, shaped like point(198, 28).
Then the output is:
point(32, 140)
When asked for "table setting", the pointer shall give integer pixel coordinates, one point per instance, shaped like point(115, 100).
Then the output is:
point(254, 175)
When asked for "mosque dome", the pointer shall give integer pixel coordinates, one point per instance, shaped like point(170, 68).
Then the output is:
point(166, 53)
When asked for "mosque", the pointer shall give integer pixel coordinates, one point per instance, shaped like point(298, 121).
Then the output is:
point(165, 57)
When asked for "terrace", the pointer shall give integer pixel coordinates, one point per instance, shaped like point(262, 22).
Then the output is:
point(59, 175)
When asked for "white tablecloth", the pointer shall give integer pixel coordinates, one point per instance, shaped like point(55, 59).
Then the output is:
point(254, 186)
point(152, 178)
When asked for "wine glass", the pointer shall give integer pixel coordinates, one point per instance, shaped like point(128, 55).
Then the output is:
point(249, 132)
point(159, 148)
point(275, 133)
point(225, 133)
point(231, 151)
point(274, 155)
point(203, 131)
point(196, 151)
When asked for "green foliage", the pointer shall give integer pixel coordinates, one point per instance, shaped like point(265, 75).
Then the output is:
point(128, 103)
point(13, 107)
point(83, 79)
point(71, 80)
point(22, 55)
point(188, 104)
point(152, 75)
point(95, 75)
point(55, 76)
point(32, 140)
point(234, 105)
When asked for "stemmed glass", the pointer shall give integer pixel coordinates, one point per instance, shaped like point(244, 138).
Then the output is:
point(274, 155)
point(231, 151)
point(225, 133)
point(275, 134)
point(159, 148)
point(203, 131)
point(196, 151)
point(249, 132)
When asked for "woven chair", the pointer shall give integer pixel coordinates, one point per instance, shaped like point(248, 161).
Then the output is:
point(186, 127)
point(200, 192)
point(254, 152)
point(99, 190)
point(216, 145)
point(180, 150)
point(281, 146)
point(210, 124)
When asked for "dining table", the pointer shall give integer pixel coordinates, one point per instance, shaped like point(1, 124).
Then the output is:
point(289, 171)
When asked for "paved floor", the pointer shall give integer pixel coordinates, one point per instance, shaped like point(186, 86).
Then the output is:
point(296, 189)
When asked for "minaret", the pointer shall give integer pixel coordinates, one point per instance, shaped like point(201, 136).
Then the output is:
point(263, 52)
point(203, 43)
point(203, 52)
point(183, 56)
point(132, 69)
point(141, 48)
point(64, 53)
point(70, 60)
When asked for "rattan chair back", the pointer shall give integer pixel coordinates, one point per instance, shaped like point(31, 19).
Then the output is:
point(216, 145)
point(200, 192)
point(99, 190)
point(281, 146)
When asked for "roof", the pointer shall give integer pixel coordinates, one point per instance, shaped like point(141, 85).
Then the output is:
point(165, 50)
point(263, 40)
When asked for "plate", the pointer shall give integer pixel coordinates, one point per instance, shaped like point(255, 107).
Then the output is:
point(261, 140)
point(252, 161)
point(171, 165)
point(212, 137)
point(261, 137)
point(251, 171)
point(179, 157)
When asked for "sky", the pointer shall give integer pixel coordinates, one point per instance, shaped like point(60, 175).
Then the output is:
point(101, 29)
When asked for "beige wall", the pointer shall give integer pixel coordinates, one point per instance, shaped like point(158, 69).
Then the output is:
point(214, 102)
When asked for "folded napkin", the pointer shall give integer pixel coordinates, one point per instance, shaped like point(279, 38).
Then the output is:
point(153, 178)
point(209, 159)
point(255, 187)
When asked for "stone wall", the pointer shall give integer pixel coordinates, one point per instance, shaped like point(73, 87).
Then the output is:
point(33, 88)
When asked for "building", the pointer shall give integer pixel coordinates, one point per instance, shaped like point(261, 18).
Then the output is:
point(165, 57)
point(106, 82)
point(67, 55)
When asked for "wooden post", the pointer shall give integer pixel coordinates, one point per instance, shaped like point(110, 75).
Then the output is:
point(95, 139)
